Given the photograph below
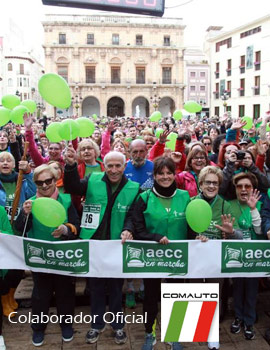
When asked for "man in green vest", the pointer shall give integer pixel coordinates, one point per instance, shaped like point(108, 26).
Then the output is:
point(108, 198)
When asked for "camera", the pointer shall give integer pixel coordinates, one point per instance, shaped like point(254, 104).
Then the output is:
point(240, 155)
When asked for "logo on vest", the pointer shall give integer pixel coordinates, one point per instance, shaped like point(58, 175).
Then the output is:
point(69, 257)
point(151, 257)
point(122, 208)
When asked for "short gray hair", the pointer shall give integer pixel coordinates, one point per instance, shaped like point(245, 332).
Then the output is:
point(44, 167)
point(114, 154)
point(137, 141)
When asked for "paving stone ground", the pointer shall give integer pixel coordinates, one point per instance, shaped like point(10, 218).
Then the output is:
point(18, 336)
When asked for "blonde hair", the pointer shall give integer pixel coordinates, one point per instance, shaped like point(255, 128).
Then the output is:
point(210, 170)
point(44, 167)
point(92, 143)
point(4, 155)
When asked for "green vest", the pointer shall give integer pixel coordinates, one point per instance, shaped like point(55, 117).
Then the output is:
point(44, 233)
point(243, 219)
point(219, 207)
point(96, 202)
point(170, 223)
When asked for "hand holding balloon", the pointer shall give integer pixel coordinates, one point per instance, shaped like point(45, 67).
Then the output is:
point(61, 230)
point(27, 207)
point(70, 155)
point(28, 121)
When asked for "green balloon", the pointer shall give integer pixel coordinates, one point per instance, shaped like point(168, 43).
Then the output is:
point(192, 107)
point(10, 101)
point(158, 132)
point(198, 215)
point(94, 116)
point(52, 132)
point(86, 126)
point(172, 141)
point(249, 123)
point(4, 115)
point(267, 127)
point(177, 115)
point(49, 212)
point(69, 130)
point(30, 104)
point(155, 117)
point(55, 90)
point(17, 114)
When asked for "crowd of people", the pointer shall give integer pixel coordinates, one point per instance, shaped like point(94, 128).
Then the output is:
point(135, 187)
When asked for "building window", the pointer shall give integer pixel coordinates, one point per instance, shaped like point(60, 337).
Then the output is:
point(166, 40)
point(242, 66)
point(115, 39)
point(241, 111)
point(250, 32)
point(115, 75)
point(227, 42)
point(10, 67)
point(242, 87)
point(257, 62)
point(63, 72)
point(229, 88)
point(62, 38)
point(192, 88)
point(21, 68)
point(256, 111)
point(217, 111)
point(166, 75)
point(202, 74)
point(10, 82)
point(216, 92)
point(217, 70)
point(140, 75)
point(24, 82)
point(192, 74)
point(90, 39)
point(257, 81)
point(229, 67)
point(90, 75)
point(202, 88)
point(139, 40)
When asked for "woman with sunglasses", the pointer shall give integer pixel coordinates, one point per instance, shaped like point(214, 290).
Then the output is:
point(47, 284)
point(222, 223)
point(246, 210)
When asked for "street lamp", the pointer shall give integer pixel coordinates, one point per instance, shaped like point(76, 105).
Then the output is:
point(40, 108)
point(224, 96)
point(76, 102)
point(17, 93)
point(155, 101)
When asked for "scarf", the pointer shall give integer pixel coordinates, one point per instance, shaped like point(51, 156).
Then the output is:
point(164, 192)
point(10, 177)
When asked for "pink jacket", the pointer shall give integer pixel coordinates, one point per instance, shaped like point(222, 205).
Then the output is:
point(186, 181)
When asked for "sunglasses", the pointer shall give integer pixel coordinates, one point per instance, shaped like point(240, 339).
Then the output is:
point(207, 144)
point(40, 183)
point(245, 187)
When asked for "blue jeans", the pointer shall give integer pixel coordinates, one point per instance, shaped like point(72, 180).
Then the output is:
point(245, 297)
point(99, 288)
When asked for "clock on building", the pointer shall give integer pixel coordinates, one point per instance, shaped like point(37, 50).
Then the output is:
point(142, 7)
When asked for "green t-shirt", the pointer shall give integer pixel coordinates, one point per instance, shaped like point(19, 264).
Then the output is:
point(89, 169)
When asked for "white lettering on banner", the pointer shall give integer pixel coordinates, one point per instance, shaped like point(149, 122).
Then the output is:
point(106, 259)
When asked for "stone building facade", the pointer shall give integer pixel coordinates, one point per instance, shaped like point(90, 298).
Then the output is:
point(117, 65)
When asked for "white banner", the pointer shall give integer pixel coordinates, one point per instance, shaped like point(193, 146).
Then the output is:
point(180, 259)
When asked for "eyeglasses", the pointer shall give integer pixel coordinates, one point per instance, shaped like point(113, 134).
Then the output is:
point(207, 143)
point(245, 187)
point(54, 149)
point(40, 183)
point(209, 183)
point(198, 158)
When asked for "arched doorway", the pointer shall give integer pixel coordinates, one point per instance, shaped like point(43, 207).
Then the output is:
point(167, 106)
point(90, 106)
point(140, 107)
point(115, 107)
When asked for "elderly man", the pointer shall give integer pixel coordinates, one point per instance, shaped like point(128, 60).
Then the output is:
point(138, 168)
point(108, 199)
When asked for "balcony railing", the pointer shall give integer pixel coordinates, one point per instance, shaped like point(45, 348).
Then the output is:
point(217, 75)
point(133, 81)
point(242, 69)
point(229, 72)
point(257, 65)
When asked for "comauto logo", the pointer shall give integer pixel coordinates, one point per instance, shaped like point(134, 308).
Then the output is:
point(189, 312)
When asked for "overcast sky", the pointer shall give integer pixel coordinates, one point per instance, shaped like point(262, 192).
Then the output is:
point(197, 15)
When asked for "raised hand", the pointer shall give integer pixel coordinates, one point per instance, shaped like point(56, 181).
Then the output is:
point(28, 121)
point(111, 127)
point(261, 148)
point(253, 199)
point(70, 155)
point(227, 225)
point(176, 156)
point(238, 124)
point(163, 136)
